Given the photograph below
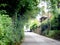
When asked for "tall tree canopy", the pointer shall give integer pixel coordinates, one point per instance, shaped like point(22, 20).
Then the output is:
point(19, 6)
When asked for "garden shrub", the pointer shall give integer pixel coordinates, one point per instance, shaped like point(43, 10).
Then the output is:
point(10, 33)
point(6, 29)
point(33, 27)
point(53, 34)
point(34, 24)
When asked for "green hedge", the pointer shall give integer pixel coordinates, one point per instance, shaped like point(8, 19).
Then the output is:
point(33, 27)
point(5, 29)
point(10, 34)
point(52, 34)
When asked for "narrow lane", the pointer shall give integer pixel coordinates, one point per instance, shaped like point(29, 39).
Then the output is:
point(35, 39)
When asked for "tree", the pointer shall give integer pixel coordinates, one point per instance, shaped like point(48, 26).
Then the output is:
point(19, 6)
point(20, 11)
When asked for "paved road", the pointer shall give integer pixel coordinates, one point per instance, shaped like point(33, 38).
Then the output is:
point(35, 39)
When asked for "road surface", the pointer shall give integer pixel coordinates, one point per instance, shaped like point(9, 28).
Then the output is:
point(35, 39)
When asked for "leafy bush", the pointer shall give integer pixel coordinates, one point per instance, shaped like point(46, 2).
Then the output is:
point(10, 33)
point(5, 29)
point(52, 34)
point(34, 26)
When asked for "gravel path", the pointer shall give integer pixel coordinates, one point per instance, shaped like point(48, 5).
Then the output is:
point(35, 39)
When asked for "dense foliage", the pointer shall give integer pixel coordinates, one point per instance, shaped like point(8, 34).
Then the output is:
point(53, 34)
point(56, 15)
point(34, 24)
point(55, 23)
point(53, 28)
point(17, 6)
point(6, 29)
point(20, 11)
